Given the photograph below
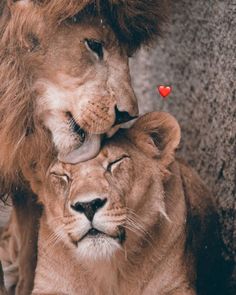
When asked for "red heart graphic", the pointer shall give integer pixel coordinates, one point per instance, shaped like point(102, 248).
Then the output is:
point(164, 90)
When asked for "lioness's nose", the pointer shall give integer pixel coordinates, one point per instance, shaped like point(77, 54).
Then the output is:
point(89, 208)
point(122, 117)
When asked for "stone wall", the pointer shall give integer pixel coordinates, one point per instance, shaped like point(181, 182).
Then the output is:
point(197, 58)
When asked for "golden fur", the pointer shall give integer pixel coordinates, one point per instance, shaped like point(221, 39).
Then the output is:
point(159, 201)
point(33, 129)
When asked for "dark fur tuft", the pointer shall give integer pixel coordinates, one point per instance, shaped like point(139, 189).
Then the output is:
point(134, 22)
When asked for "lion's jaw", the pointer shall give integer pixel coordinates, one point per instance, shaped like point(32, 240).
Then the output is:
point(78, 93)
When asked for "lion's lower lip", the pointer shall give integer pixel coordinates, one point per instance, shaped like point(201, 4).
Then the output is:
point(88, 150)
point(88, 145)
point(95, 233)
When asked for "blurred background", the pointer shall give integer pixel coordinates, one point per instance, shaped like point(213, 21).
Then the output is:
point(197, 57)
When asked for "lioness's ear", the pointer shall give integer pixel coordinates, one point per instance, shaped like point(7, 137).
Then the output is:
point(157, 134)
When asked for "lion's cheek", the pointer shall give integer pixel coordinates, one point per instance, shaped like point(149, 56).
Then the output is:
point(96, 115)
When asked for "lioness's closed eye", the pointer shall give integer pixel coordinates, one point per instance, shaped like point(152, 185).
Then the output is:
point(117, 223)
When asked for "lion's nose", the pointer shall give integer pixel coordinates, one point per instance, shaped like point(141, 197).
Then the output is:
point(122, 117)
point(89, 208)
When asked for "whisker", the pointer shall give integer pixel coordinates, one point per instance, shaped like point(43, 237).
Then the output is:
point(137, 233)
point(54, 238)
point(136, 219)
point(135, 227)
point(139, 225)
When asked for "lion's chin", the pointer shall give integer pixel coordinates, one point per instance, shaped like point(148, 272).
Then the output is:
point(100, 247)
point(88, 150)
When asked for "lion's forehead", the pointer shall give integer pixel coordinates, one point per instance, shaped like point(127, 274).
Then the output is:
point(109, 152)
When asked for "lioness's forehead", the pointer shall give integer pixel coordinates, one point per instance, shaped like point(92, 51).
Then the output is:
point(111, 151)
point(107, 154)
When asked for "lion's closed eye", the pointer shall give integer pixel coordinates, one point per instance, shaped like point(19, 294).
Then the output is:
point(64, 177)
point(59, 182)
point(116, 163)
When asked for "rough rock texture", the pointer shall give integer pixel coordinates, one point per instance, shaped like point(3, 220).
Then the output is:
point(198, 58)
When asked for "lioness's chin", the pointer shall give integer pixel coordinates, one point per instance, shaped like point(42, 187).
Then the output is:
point(102, 247)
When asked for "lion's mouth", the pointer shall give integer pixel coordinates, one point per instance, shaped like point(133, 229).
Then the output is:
point(88, 145)
point(94, 233)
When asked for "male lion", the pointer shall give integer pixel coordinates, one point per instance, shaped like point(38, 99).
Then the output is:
point(133, 220)
point(64, 81)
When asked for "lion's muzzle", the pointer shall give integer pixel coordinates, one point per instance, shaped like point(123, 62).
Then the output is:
point(89, 143)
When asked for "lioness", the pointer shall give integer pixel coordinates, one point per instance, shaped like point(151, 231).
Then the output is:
point(130, 221)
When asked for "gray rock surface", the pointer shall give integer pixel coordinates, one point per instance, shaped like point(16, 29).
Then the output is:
point(197, 58)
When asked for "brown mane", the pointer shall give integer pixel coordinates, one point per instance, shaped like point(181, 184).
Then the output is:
point(27, 147)
point(21, 135)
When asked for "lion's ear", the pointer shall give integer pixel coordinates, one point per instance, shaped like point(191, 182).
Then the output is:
point(157, 134)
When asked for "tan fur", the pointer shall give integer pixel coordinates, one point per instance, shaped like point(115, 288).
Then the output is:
point(149, 193)
point(43, 61)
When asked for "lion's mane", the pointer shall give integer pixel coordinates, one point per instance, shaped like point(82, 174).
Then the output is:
point(25, 143)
